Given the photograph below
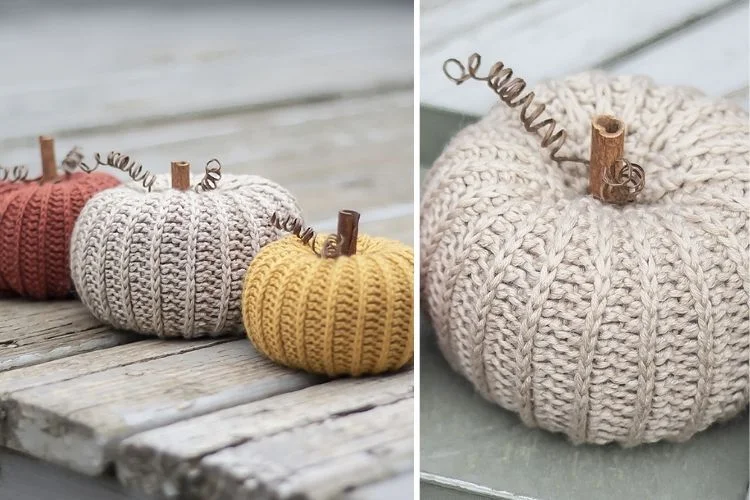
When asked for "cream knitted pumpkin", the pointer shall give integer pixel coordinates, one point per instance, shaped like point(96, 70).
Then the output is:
point(607, 323)
point(171, 263)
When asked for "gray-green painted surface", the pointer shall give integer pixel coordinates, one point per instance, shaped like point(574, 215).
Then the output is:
point(473, 449)
point(26, 478)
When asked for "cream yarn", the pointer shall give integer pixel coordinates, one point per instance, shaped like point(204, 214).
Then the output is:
point(626, 324)
point(172, 263)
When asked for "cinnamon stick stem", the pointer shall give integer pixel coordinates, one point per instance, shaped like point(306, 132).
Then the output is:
point(348, 229)
point(49, 166)
point(181, 175)
point(607, 147)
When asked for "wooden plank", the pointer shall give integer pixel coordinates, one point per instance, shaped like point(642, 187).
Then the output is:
point(78, 422)
point(356, 153)
point(551, 38)
point(168, 461)
point(71, 367)
point(443, 21)
point(320, 460)
point(134, 65)
point(711, 55)
point(35, 332)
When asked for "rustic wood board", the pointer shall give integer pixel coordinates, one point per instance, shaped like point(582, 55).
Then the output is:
point(71, 367)
point(473, 447)
point(326, 110)
point(112, 65)
point(712, 55)
point(546, 39)
point(320, 460)
point(171, 461)
point(78, 422)
point(35, 332)
point(356, 153)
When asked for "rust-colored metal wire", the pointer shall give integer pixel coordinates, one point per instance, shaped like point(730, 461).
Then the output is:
point(20, 173)
point(330, 247)
point(212, 176)
point(122, 162)
point(72, 160)
point(16, 173)
point(626, 175)
point(509, 89)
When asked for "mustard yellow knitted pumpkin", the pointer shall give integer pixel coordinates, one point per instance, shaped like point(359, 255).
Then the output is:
point(342, 315)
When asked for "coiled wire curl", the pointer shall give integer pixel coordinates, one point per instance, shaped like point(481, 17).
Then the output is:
point(123, 162)
point(20, 173)
point(500, 79)
point(331, 247)
point(16, 173)
point(212, 176)
point(136, 171)
point(73, 160)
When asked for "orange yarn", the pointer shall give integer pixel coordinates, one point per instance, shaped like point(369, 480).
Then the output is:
point(6, 187)
point(36, 221)
point(337, 316)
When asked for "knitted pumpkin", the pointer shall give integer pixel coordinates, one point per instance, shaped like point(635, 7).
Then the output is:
point(36, 221)
point(350, 313)
point(6, 187)
point(170, 262)
point(604, 322)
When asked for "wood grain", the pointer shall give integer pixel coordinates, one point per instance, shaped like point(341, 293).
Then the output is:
point(607, 146)
point(78, 422)
point(235, 55)
point(168, 461)
point(544, 39)
point(711, 56)
point(317, 101)
point(319, 460)
point(36, 332)
point(180, 175)
point(353, 152)
point(74, 366)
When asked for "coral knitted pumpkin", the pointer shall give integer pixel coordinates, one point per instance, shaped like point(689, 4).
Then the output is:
point(170, 262)
point(343, 315)
point(6, 187)
point(607, 323)
point(36, 221)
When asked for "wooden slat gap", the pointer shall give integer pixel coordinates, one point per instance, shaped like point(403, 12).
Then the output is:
point(216, 112)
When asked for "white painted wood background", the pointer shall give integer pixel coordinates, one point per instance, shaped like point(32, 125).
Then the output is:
point(700, 43)
point(314, 95)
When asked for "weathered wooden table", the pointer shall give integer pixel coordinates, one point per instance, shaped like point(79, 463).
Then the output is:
point(470, 448)
point(317, 98)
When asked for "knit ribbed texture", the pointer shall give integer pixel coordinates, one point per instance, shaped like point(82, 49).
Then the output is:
point(6, 187)
point(36, 221)
point(171, 263)
point(349, 315)
point(606, 323)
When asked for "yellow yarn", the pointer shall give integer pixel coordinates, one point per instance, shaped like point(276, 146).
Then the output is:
point(347, 315)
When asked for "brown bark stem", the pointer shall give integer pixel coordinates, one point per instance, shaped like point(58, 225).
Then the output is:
point(348, 230)
point(607, 147)
point(181, 175)
point(49, 166)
